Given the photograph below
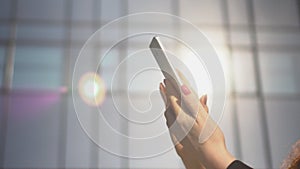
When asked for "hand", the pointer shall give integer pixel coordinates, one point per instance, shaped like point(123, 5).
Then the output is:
point(192, 118)
point(188, 157)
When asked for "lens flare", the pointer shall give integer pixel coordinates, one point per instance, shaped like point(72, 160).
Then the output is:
point(92, 89)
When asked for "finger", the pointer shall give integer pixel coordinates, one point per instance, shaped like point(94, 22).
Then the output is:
point(180, 114)
point(163, 88)
point(188, 103)
point(170, 117)
point(170, 89)
point(174, 105)
point(183, 122)
point(182, 77)
point(163, 93)
point(184, 80)
point(203, 101)
point(191, 101)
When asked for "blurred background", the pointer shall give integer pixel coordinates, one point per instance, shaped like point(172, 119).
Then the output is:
point(258, 43)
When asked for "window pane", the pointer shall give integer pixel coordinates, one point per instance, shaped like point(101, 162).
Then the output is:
point(277, 73)
point(139, 6)
point(81, 35)
point(277, 13)
point(195, 11)
point(283, 123)
point(110, 10)
point(227, 126)
point(111, 35)
point(240, 38)
point(282, 39)
point(296, 70)
point(251, 132)
point(138, 76)
point(110, 61)
point(115, 120)
point(36, 9)
point(38, 68)
point(78, 143)
point(4, 32)
point(216, 37)
point(82, 10)
point(243, 72)
point(5, 9)
point(149, 130)
point(237, 12)
point(32, 131)
point(40, 32)
point(2, 59)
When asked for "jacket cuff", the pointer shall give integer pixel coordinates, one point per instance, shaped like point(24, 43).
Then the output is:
point(238, 165)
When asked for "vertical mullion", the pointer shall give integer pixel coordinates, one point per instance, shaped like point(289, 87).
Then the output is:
point(236, 127)
point(63, 118)
point(175, 11)
point(258, 82)
point(8, 80)
point(298, 8)
point(123, 80)
point(94, 150)
point(10, 53)
point(175, 7)
point(295, 59)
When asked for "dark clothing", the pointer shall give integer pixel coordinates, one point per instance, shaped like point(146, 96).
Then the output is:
point(238, 165)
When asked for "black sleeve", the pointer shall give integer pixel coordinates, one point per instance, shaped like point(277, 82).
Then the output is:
point(238, 165)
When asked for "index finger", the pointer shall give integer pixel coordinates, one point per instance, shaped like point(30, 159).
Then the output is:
point(185, 81)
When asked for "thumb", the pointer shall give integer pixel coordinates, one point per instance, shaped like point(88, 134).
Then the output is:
point(162, 91)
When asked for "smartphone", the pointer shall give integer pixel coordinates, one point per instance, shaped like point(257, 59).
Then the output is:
point(163, 61)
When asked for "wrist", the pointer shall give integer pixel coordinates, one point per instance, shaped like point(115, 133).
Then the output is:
point(218, 158)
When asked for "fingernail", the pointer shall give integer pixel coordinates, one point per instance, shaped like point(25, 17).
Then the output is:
point(185, 90)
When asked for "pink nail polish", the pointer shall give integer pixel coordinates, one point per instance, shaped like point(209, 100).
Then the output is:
point(185, 90)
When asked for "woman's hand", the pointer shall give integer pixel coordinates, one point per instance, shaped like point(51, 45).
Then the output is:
point(188, 156)
point(198, 148)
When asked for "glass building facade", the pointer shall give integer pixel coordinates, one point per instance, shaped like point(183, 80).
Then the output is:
point(258, 42)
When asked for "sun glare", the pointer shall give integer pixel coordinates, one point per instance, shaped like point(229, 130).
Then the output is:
point(92, 89)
